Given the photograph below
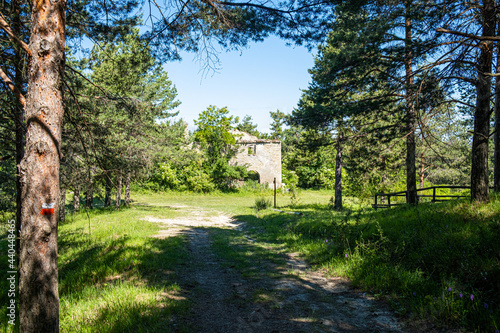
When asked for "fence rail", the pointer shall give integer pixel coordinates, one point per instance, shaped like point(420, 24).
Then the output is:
point(435, 197)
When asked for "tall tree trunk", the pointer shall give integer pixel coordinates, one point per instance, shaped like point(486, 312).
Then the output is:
point(107, 196)
point(18, 120)
point(89, 198)
point(38, 286)
point(338, 173)
point(76, 199)
point(411, 179)
point(62, 205)
point(496, 156)
point(127, 188)
point(480, 138)
point(118, 190)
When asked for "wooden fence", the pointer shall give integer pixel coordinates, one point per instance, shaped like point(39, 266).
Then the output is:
point(435, 197)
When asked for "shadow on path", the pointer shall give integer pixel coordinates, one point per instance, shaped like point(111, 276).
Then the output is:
point(236, 284)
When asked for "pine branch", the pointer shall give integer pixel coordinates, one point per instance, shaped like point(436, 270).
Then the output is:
point(5, 26)
point(471, 36)
point(13, 88)
point(271, 9)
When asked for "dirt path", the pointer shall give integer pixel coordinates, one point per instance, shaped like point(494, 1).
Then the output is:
point(297, 299)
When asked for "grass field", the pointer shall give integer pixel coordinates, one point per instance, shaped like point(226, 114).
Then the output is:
point(436, 262)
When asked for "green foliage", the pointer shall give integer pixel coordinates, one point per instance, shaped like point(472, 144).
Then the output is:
point(279, 119)
point(190, 177)
point(290, 183)
point(262, 203)
point(246, 125)
point(326, 177)
point(168, 176)
point(196, 179)
point(214, 129)
point(290, 179)
point(253, 186)
point(7, 186)
point(309, 153)
point(218, 143)
point(120, 123)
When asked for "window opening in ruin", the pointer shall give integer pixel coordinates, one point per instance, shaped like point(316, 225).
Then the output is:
point(252, 150)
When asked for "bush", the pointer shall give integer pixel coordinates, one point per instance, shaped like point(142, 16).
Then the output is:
point(169, 176)
point(290, 180)
point(262, 203)
point(253, 186)
point(326, 177)
point(196, 179)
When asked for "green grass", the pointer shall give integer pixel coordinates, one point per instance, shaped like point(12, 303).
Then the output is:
point(426, 261)
point(117, 278)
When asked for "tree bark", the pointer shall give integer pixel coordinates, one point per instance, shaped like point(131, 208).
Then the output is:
point(18, 120)
point(127, 189)
point(411, 179)
point(480, 138)
point(38, 285)
point(76, 199)
point(107, 195)
point(118, 190)
point(338, 173)
point(496, 155)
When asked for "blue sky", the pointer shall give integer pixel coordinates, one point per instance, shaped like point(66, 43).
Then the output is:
point(264, 77)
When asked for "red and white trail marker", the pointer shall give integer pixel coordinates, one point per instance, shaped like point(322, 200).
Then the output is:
point(48, 208)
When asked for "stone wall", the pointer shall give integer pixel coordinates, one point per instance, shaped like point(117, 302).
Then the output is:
point(261, 156)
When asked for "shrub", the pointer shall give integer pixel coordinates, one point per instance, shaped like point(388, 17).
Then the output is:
point(196, 179)
point(169, 176)
point(262, 203)
point(253, 186)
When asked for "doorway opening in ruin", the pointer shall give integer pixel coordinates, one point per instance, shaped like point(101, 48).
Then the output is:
point(253, 175)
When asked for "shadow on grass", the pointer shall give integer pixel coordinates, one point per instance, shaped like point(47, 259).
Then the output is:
point(429, 256)
point(120, 284)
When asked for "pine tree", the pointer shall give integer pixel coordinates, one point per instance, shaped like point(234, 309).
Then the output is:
point(369, 63)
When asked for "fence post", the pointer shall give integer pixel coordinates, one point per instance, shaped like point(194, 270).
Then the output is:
point(274, 192)
point(389, 200)
point(375, 206)
point(433, 194)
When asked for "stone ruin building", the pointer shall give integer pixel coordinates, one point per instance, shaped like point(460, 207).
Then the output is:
point(260, 156)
